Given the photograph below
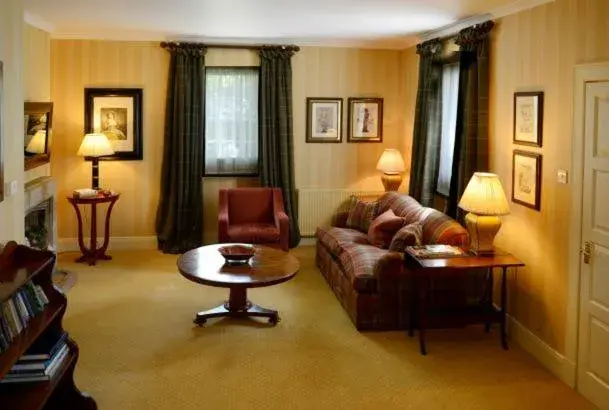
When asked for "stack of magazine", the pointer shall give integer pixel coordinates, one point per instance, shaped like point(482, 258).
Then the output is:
point(435, 251)
point(42, 361)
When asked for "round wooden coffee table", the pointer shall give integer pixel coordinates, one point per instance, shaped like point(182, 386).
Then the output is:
point(268, 267)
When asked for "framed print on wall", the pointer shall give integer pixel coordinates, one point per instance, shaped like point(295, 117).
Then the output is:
point(526, 179)
point(324, 119)
point(117, 113)
point(365, 120)
point(528, 118)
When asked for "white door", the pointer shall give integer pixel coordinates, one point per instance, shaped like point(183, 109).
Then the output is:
point(593, 360)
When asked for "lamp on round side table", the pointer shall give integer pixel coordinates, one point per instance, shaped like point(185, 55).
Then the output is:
point(392, 165)
point(485, 201)
point(95, 145)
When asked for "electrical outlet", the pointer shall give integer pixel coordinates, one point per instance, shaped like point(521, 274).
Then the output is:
point(562, 176)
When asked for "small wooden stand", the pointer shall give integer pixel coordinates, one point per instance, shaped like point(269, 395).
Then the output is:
point(18, 265)
point(93, 253)
point(422, 317)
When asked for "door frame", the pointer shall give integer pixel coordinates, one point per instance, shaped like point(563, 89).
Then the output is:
point(584, 74)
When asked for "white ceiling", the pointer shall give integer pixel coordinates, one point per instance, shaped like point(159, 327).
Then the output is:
point(380, 23)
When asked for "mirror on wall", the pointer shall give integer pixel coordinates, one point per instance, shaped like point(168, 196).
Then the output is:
point(37, 126)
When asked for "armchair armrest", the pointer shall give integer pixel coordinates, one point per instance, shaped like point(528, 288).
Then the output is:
point(282, 220)
point(223, 221)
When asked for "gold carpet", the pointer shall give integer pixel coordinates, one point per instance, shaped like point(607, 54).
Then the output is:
point(132, 318)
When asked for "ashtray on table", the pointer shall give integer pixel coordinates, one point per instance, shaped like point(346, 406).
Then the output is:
point(237, 254)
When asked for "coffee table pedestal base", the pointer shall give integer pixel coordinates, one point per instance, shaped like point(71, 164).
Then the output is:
point(237, 306)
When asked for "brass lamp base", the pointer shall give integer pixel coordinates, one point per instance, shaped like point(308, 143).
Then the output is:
point(391, 182)
point(482, 230)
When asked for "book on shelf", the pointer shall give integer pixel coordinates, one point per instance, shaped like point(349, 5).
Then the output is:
point(435, 251)
point(48, 372)
point(44, 347)
point(16, 312)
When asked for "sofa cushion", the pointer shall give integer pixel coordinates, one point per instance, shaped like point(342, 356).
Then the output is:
point(410, 235)
point(442, 229)
point(333, 238)
point(359, 264)
point(253, 233)
point(404, 206)
point(361, 214)
point(383, 227)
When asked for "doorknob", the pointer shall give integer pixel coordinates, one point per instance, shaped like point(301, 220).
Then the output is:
point(587, 252)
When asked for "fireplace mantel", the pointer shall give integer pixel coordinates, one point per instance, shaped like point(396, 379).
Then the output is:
point(37, 191)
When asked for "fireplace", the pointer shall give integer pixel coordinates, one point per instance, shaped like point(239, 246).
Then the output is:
point(40, 214)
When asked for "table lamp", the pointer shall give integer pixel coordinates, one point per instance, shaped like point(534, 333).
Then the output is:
point(95, 145)
point(37, 144)
point(485, 201)
point(391, 164)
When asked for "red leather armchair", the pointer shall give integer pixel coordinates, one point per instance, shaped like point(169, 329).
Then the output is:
point(253, 215)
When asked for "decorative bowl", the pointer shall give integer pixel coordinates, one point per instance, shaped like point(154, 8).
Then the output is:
point(237, 254)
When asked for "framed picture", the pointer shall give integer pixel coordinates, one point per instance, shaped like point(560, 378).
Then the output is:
point(528, 118)
point(365, 120)
point(117, 113)
point(526, 179)
point(324, 119)
point(37, 133)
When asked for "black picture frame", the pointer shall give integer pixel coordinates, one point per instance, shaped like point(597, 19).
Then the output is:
point(533, 102)
point(312, 136)
point(37, 116)
point(353, 104)
point(521, 180)
point(102, 99)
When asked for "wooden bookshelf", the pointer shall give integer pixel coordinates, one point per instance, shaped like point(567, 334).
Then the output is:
point(18, 265)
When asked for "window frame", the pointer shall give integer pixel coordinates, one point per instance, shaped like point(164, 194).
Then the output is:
point(236, 174)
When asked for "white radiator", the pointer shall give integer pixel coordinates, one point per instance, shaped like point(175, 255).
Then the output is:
point(316, 206)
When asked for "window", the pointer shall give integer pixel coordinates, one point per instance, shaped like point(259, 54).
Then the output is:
point(450, 94)
point(231, 121)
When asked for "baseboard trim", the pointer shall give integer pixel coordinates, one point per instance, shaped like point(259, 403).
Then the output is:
point(116, 243)
point(560, 365)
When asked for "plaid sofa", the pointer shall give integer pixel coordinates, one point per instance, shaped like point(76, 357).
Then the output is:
point(371, 282)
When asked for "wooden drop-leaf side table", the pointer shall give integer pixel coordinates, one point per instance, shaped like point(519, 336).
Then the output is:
point(92, 254)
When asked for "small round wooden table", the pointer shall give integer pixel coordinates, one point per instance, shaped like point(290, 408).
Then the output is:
point(268, 267)
point(92, 254)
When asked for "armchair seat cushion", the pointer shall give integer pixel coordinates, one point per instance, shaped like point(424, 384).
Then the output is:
point(359, 263)
point(254, 233)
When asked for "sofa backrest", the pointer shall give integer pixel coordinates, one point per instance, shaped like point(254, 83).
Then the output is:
point(438, 228)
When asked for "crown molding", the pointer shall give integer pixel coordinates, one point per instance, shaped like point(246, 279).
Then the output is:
point(454, 28)
point(517, 7)
point(38, 22)
point(499, 12)
point(392, 43)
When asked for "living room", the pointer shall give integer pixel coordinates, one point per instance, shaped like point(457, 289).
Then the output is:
point(132, 316)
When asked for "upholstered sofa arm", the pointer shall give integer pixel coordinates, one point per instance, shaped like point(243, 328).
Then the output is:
point(394, 286)
point(223, 221)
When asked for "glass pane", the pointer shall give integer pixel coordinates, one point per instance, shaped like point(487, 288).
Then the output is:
point(450, 95)
point(231, 121)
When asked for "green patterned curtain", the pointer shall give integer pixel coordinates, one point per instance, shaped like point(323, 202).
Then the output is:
point(471, 138)
point(427, 133)
point(276, 134)
point(179, 221)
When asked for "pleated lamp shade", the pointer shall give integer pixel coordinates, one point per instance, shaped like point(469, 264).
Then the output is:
point(37, 144)
point(484, 195)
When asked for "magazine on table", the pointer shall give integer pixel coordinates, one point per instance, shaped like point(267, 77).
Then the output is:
point(435, 251)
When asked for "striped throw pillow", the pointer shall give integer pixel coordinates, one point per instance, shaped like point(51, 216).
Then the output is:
point(361, 214)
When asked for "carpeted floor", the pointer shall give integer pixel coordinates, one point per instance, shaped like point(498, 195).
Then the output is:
point(132, 318)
